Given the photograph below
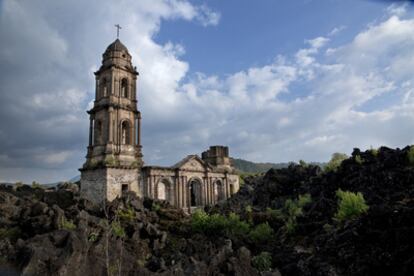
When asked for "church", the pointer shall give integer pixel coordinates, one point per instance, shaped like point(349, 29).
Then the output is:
point(114, 161)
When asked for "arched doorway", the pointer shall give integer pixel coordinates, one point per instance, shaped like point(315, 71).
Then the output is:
point(195, 192)
point(218, 191)
point(164, 192)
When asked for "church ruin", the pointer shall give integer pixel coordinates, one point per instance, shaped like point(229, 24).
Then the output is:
point(114, 161)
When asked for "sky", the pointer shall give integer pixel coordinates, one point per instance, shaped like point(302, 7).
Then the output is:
point(276, 81)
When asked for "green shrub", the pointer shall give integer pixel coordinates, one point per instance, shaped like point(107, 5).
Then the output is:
point(303, 163)
point(351, 205)
point(261, 233)
point(217, 224)
point(236, 227)
point(274, 213)
point(93, 237)
point(358, 159)
point(262, 262)
point(117, 229)
point(410, 155)
point(373, 151)
point(304, 200)
point(335, 162)
point(127, 214)
point(66, 224)
point(155, 207)
point(36, 185)
point(199, 220)
point(249, 213)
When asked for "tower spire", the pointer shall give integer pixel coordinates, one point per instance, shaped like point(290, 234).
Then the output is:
point(117, 30)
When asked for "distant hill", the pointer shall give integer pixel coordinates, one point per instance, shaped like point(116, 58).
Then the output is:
point(252, 167)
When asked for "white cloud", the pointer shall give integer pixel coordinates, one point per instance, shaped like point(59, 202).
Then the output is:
point(304, 106)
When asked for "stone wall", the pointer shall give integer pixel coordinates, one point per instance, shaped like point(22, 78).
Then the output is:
point(98, 184)
point(93, 184)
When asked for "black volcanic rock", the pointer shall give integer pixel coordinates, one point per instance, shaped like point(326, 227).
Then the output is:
point(46, 232)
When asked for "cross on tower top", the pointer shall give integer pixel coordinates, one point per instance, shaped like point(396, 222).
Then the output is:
point(117, 30)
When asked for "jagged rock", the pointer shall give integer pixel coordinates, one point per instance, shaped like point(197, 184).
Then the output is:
point(47, 232)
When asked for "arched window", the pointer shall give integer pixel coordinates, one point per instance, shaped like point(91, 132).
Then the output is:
point(98, 133)
point(104, 87)
point(125, 133)
point(124, 88)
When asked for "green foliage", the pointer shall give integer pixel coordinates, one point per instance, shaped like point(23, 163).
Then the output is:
point(117, 229)
point(217, 224)
point(10, 233)
point(262, 262)
point(93, 237)
point(36, 185)
point(155, 207)
point(111, 161)
point(236, 227)
point(304, 200)
point(303, 163)
point(274, 213)
point(291, 210)
point(358, 159)
point(66, 224)
point(373, 151)
point(261, 233)
point(335, 162)
point(127, 214)
point(351, 205)
point(410, 155)
point(249, 213)
point(18, 184)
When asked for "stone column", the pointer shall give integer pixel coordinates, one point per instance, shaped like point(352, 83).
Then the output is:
point(110, 125)
point(96, 88)
point(226, 184)
point(139, 128)
point(90, 130)
point(177, 191)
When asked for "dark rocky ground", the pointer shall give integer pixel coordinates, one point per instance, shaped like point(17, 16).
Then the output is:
point(56, 233)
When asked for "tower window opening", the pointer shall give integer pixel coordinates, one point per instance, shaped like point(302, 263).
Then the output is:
point(124, 88)
point(98, 133)
point(104, 88)
point(125, 133)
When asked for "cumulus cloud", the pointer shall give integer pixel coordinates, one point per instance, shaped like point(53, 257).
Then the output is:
point(305, 106)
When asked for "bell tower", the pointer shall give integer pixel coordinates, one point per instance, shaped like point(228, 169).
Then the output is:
point(114, 159)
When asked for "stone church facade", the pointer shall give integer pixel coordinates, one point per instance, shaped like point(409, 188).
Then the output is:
point(114, 161)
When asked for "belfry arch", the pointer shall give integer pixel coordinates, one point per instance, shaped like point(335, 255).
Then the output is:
point(126, 133)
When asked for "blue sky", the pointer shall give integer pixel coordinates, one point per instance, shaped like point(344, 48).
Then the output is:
point(254, 33)
point(276, 81)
